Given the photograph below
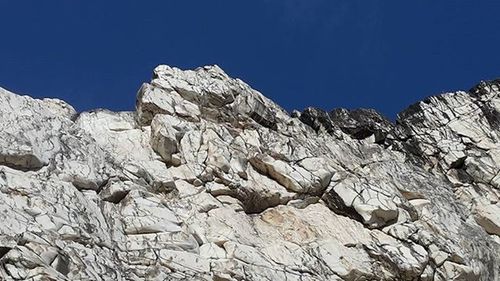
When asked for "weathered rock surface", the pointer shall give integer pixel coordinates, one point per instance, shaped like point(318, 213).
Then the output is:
point(210, 180)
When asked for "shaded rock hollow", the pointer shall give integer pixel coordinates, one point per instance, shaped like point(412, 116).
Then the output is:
point(210, 180)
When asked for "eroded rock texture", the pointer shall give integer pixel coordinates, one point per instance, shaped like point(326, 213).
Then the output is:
point(210, 180)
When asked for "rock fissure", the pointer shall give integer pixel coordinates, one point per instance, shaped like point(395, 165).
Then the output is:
point(210, 180)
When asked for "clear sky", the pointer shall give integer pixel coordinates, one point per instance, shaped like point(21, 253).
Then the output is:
point(325, 53)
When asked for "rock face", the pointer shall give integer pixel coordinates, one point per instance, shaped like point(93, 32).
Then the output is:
point(210, 180)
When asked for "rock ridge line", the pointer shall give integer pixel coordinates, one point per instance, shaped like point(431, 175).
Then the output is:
point(210, 180)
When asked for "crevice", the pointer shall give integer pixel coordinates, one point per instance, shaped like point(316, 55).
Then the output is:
point(117, 197)
point(254, 203)
point(83, 185)
point(102, 185)
point(459, 163)
point(335, 203)
point(23, 163)
point(61, 264)
point(4, 251)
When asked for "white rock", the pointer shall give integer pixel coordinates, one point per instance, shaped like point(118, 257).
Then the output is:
point(210, 180)
point(488, 216)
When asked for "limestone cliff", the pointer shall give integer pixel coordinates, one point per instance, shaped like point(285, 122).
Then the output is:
point(210, 180)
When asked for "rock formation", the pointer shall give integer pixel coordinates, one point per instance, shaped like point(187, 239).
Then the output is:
point(210, 180)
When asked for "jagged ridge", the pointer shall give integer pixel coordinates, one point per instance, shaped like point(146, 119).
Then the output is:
point(210, 180)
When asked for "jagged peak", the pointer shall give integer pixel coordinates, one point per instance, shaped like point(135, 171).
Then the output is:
point(210, 180)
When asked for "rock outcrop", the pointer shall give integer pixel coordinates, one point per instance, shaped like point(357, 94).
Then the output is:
point(210, 180)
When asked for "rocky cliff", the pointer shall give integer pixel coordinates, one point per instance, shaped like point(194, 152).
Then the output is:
point(210, 180)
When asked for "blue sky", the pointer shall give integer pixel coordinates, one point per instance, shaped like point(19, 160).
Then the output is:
point(325, 53)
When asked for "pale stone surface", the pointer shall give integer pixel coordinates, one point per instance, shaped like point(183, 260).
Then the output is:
point(210, 180)
point(488, 216)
